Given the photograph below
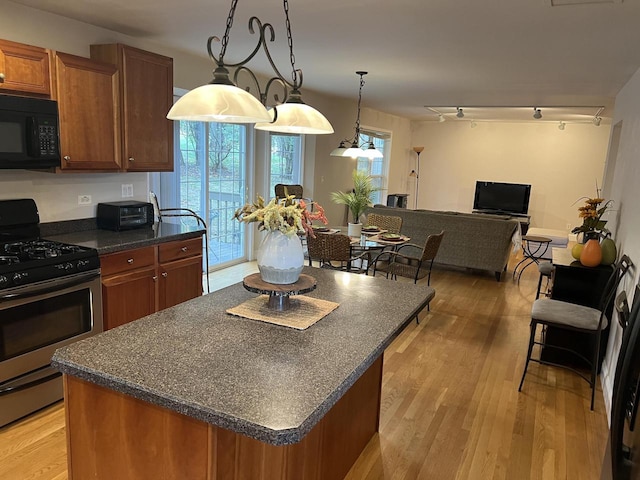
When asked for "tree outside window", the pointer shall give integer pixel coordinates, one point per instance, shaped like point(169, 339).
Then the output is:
point(286, 160)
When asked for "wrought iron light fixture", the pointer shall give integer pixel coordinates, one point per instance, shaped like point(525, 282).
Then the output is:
point(221, 100)
point(537, 113)
point(356, 150)
point(460, 113)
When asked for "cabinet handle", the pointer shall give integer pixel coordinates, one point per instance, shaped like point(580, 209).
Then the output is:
point(164, 274)
point(131, 159)
point(1, 77)
point(130, 261)
point(155, 278)
point(67, 158)
point(184, 249)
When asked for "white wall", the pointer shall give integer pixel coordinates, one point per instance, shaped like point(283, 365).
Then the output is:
point(624, 191)
point(561, 165)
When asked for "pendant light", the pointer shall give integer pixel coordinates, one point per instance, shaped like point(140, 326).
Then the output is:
point(223, 101)
point(355, 150)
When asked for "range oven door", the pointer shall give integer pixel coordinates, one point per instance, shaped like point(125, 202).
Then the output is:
point(35, 320)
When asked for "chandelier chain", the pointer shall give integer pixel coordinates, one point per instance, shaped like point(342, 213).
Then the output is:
point(292, 57)
point(225, 38)
point(357, 137)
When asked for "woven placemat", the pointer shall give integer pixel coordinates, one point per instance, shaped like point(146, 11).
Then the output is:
point(304, 311)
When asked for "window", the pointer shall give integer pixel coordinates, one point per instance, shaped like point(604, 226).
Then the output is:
point(209, 178)
point(378, 168)
point(286, 160)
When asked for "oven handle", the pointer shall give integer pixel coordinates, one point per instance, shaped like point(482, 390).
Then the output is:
point(23, 386)
point(51, 287)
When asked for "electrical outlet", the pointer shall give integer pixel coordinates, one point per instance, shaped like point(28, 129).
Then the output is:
point(127, 190)
point(568, 226)
point(84, 199)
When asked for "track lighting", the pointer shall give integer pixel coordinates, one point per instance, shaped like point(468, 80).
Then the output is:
point(561, 125)
point(440, 118)
point(460, 113)
point(597, 120)
point(473, 124)
point(537, 114)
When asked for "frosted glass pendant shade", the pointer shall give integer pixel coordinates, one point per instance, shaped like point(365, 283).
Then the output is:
point(297, 118)
point(219, 103)
point(372, 152)
point(353, 152)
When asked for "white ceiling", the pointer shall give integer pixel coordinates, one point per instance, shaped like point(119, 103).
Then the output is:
point(419, 53)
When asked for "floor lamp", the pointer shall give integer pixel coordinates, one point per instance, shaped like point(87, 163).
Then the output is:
point(416, 173)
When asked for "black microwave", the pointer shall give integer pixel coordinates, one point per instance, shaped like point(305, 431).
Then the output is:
point(29, 135)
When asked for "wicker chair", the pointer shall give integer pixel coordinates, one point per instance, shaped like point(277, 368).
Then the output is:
point(295, 190)
point(390, 223)
point(396, 264)
point(334, 251)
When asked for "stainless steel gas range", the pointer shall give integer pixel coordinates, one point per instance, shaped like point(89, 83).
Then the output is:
point(50, 296)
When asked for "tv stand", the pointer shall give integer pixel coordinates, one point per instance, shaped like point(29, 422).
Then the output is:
point(524, 219)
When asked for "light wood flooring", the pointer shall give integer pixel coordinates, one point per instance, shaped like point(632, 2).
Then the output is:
point(450, 404)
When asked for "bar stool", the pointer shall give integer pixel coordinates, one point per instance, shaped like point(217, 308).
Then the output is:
point(545, 269)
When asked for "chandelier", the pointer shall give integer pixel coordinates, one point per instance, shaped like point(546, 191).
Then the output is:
point(352, 147)
point(221, 100)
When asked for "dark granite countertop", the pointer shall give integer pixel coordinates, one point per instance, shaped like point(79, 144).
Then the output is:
point(107, 241)
point(265, 381)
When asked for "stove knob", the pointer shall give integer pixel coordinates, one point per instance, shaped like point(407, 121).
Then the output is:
point(19, 278)
point(69, 266)
point(82, 264)
point(4, 281)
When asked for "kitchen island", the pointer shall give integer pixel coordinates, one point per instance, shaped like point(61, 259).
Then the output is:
point(193, 392)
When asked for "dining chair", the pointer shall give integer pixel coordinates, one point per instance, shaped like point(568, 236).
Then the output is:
point(390, 223)
point(577, 318)
point(396, 263)
point(295, 190)
point(333, 250)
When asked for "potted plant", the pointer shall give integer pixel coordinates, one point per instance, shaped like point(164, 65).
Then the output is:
point(357, 200)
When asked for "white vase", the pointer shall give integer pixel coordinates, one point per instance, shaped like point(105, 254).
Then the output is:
point(280, 258)
point(354, 229)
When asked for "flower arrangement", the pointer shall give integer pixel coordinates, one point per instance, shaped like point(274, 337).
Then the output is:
point(284, 215)
point(591, 213)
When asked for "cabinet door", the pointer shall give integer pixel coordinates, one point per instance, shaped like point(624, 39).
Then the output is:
point(128, 297)
point(87, 94)
point(179, 281)
point(147, 96)
point(24, 69)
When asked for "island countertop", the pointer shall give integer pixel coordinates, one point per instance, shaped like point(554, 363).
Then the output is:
point(261, 380)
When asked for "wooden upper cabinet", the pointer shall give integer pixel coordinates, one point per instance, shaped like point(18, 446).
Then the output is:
point(146, 83)
point(87, 95)
point(24, 69)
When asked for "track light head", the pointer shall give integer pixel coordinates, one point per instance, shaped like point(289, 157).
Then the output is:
point(460, 113)
point(537, 114)
point(473, 124)
point(440, 118)
point(561, 125)
point(597, 120)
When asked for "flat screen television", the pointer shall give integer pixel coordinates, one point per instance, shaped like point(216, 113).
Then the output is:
point(497, 197)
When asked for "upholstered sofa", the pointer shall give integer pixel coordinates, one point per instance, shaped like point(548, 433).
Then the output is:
point(475, 241)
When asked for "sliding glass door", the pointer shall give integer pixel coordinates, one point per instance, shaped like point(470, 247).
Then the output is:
point(210, 178)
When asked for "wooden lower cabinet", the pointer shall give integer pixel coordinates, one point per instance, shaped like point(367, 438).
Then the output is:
point(138, 282)
point(127, 438)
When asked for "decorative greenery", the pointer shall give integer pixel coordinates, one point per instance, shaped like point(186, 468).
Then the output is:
point(591, 213)
point(286, 215)
point(359, 198)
